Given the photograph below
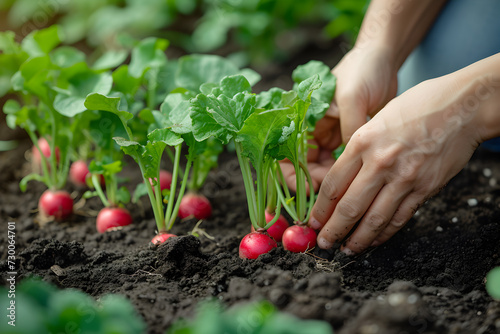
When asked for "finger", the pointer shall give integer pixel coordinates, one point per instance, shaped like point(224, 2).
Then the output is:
point(402, 215)
point(376, 219)
point(334, 184)
point(352, 115)
point(351, 207)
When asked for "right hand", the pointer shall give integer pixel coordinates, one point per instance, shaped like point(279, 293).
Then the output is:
point(366, 81)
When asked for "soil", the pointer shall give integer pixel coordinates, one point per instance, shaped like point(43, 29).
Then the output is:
point(429, 278)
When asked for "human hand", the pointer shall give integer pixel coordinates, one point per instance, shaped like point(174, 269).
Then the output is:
point(365, 82)
point(392, 164)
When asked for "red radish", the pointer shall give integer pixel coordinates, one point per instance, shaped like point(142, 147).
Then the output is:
point(78, 173)
point(275, 231)
point(196, 205)
point(298, 239)
point(165, 180)
point(45, 148)
point(112, 217)
point(255, 244)
point(57, 204)
point(161, 238)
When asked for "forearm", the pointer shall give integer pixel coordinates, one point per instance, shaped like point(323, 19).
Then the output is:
point(397, 25)
point(480, 100)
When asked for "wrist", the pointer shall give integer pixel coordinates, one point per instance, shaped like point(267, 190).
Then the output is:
point(480, 99)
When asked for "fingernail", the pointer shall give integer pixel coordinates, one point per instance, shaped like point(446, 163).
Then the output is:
point(325, 244)
point(314, 224)
point(375, 243)
point(347, 251)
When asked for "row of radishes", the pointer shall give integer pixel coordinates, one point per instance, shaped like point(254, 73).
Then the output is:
point(149, 107)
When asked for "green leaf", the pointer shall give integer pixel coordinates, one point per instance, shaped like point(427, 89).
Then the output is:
point(149, 155)
point(124, 82)
point(195, 70)
point(166, 136)
point(322, 96)
point(66, 56)
point(100, 102)
point(110, 59)
point(306, 87)
point(41, 42)
point(69, 105)
point(122, 195)
point(493, 283)
point(175, 113)
point(221, 117)
point(263, 132)
point(8, 42)
point(148, 53)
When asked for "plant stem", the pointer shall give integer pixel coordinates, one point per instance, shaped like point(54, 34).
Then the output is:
point(272, 196)
point(311, 192)
point(248, 182)
point(277, 213)
point(98, 189)
point(173, 186)
point(282, 199)
point(53, 155)
point(181, 194)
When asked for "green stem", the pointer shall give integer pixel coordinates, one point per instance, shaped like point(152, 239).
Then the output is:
point(311, 192)
point(97, 185)
point(248, 182)
point(277, 212)
point(180, 195)
point(282, 199)
point(173, 186)
point(172, 158)
point(151, 97)
point(156, 204)
point(301, 196)
point(111, 190)
point(272, 196)
point(261, 197)
point(53, 155)
point(193, 180)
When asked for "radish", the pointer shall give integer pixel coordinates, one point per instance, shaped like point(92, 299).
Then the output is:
point(111, 217)
point(196, 205)
point(255, 244)
point(57, 204)
point(165, 180)
point(275, 231)
point(298, 239)
point(80, 175)
point(161, 238)
point(45, 148)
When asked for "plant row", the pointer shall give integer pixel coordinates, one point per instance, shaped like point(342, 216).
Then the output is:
point(83, 117)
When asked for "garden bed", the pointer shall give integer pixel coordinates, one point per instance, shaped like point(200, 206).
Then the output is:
point(429, 278)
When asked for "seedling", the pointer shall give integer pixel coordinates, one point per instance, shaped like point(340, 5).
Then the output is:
point(310, 99)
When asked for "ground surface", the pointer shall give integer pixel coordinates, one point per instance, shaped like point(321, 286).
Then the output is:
point(428, 279)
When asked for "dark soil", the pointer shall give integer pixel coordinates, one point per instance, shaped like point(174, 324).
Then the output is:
point(429, 278)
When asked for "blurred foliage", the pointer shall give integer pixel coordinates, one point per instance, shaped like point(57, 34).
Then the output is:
point(253, 318)
point(493, 283)
point(255, 30)
point(39, 307)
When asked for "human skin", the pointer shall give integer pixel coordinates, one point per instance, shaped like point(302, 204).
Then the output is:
point(406, 154)
point(412, 146)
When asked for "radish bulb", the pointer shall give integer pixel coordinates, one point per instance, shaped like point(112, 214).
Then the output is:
point(298, 239)
point(57, 204)
point(111, 217)
point(255, 244)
